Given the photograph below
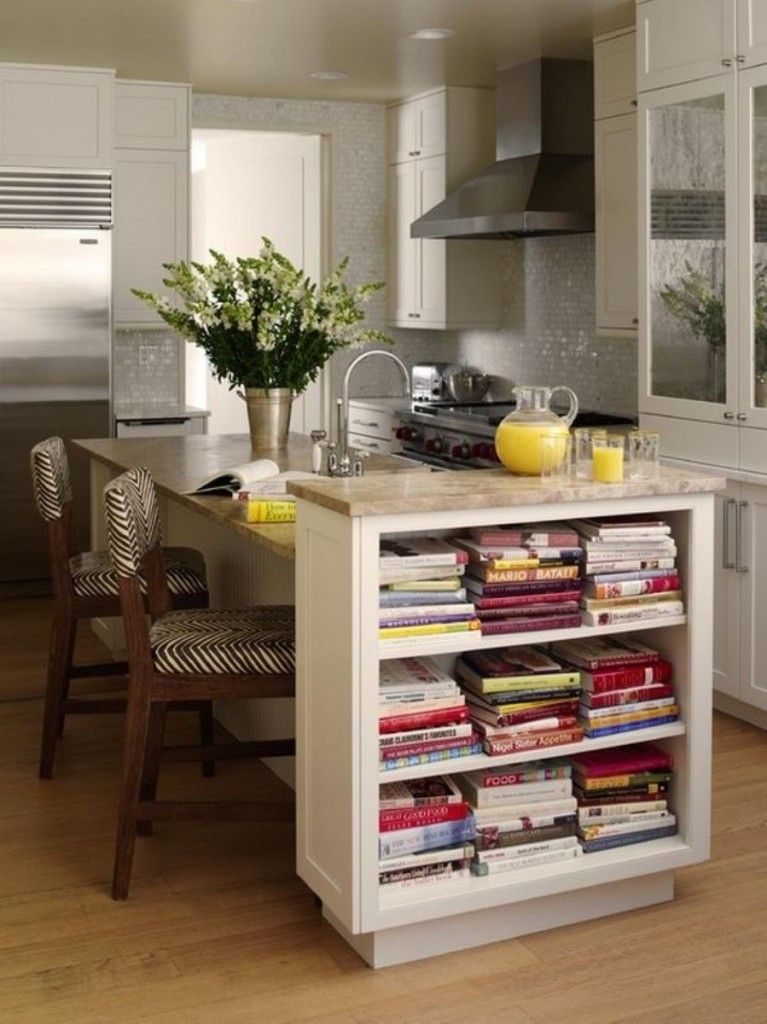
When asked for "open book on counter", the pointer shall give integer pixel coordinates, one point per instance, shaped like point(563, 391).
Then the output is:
point(261, 478)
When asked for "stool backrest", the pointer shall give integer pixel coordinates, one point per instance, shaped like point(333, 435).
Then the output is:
point(134, 535)
point(53, 496)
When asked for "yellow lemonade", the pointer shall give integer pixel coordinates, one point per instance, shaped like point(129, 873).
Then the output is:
point(607, 467)
point(519, 444)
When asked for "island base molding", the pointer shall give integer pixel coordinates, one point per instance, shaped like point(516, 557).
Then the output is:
point(739, 709)
point(481, 927)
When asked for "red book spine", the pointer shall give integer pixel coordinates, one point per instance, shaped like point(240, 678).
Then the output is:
point(517, 600)
point(533, 741)
point(413, 817)
point(393, 751)
point(423, 719)
point(630, 760)
point(565, 707)
point(613, 698)
point(524, 625)
point(553, 608)
point(655, 585)
point(529, 728)
point(638, 675)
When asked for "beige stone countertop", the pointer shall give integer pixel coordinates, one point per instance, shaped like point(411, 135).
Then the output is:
point(382, 494)
point(179, 464)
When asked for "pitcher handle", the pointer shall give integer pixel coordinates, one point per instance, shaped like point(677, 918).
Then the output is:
point(572, 412)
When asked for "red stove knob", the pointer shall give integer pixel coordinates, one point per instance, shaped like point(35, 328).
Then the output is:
point(476, 451)
point(431, 445)
point(402, 433)
point(485, 451)
point(460, 451)
point(494, 456)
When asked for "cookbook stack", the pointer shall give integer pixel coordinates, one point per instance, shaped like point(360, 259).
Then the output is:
point(626, 684)
point(421, 589)
point(622, 796)
point(524, 815)
point(422, 715)
point(629, 569)
point(520, 698)
point(425, 833)
point(523, 578)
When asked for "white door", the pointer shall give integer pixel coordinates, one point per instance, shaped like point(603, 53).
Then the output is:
point(615, 161)
point(751, 565)
point(403, 250)
point(246, 185)
point(683, 40)
point(752, 32)
point(726, 666)
point(431, 299)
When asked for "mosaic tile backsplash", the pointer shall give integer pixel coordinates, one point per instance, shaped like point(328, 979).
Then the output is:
point(146, 367)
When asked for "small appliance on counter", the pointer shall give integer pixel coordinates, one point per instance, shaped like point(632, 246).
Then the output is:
point(428, 383)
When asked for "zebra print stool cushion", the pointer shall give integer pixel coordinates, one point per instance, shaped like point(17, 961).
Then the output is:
point(50, 477)
point(93, 574)
point(133, 520)
point(225, 640)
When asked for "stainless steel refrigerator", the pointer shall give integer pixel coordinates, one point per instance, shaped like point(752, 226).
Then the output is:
point(55, 344)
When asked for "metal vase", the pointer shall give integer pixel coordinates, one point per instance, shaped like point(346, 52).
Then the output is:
point(268, 416)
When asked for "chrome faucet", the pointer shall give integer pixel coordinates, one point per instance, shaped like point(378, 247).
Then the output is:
point(348, 461)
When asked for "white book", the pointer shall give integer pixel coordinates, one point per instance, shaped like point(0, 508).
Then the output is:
point(598, 830)
point(598, 812)
point(531, 808)
point(523, 824)
point(637, 613)
point(412, 672)
point(426, 881)
point(512, 796)
point(594, 714)
point(533, 860)
point(662, 817)
point(397, 696)
point(262, 477)
point(525, 849)
point(417, 860)
point(442, 732)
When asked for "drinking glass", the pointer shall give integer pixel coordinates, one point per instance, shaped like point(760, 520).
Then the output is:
point(583, 439)
point(607, 465)
point(555, 457)
point(643, 454)
point(635, 454)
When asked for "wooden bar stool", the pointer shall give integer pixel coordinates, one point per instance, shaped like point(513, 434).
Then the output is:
point(85, 586)
point(197, 654)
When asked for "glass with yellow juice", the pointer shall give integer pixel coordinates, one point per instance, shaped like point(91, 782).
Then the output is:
point(607, 465)
point(518, 439)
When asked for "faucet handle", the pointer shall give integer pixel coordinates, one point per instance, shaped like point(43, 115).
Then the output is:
point(318, 435)
point(358, 465)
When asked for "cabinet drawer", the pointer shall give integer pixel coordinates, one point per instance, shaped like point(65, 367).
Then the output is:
point(372, 422)
point(375, 445)
point(615, 83)
point(694, 441)
point(151, 115)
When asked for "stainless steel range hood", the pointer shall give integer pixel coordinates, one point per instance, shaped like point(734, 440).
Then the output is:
point(542, 182)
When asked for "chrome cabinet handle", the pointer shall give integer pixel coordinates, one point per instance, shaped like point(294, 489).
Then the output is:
point(727, 62)
point(729, 415)
point(739, 565)
point(740, 58)
point(726, 506)
point(363, 423)
point(742, 417)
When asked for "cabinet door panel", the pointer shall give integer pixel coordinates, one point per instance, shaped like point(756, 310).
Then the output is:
point(752, 557)
point(401, 124)
point(403, 250)
point(726, 594)
point(431, 125)
point(431, 258)
point(615, 84)
point(752, 31)
point(150, 226)
point(688, 268)
point(683, 40)
point(56, 118)
point(615, 158)
point(151, 116)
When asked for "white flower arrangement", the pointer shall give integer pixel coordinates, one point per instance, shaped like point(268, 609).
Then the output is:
point(261, 321)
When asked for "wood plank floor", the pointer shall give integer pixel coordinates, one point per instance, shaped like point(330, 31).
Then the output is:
point(219, 929)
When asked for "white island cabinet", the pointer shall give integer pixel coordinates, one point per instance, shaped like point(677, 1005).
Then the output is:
point(339, 528)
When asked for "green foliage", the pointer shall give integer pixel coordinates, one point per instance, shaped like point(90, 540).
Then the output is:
point(260, 320)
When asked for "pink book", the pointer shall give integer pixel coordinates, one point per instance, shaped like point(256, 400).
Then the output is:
point(530, 624)
point(636, 757)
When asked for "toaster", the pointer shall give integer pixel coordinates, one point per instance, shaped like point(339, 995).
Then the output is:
point(428, 382)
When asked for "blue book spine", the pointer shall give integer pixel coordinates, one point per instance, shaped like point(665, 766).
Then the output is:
point(627, 839)
point(428, 758)
point(612, 730)
point(426, 837)
point(405, 598)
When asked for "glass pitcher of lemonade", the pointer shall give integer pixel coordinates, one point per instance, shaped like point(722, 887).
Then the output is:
point(518, 437)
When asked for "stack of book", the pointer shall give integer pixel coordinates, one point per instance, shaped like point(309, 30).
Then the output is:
point(425, 833)
point(629, 570)
point(524, 578)
point(422, 715)
point(622, 796)
point(519, 698)
point(524, 815)
point(626, 685)
point(421, 592)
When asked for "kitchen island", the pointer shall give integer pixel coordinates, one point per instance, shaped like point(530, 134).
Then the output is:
point(340, 524)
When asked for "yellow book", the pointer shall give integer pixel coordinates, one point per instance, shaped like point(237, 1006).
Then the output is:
point(633, 716)
point(433, 629)
point(270, 511)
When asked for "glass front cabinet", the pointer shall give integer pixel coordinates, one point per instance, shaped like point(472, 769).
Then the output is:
point(703, 239)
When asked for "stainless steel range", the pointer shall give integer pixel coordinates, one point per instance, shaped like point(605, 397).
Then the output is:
point(454, 435)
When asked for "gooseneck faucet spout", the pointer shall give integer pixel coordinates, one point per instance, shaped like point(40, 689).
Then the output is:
point(344, 462)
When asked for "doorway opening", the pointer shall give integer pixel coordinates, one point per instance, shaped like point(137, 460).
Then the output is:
point(246, 185)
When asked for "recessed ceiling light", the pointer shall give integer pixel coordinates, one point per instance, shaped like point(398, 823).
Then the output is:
point(327, 76)
point(433, 33)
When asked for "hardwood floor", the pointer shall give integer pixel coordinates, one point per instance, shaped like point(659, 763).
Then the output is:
point(218, 928)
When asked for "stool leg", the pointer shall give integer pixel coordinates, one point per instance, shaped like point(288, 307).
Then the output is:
point(62, 644)
point(134, 759)
point(64, 695)
point(152, 763)
point(206, 737)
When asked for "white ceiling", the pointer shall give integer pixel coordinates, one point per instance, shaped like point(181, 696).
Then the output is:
point(268, 47)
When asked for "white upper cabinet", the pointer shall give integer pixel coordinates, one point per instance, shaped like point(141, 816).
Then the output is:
point(55, 117)
point(615, 217)
point(683, 40)
point(752, 32)
point(151, 115)
point(436, 142)
point(615, 85)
